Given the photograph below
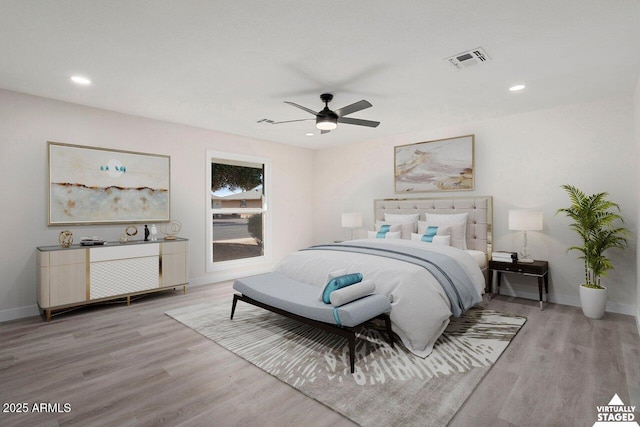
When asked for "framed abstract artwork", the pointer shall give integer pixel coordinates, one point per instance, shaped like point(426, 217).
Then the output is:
point(90, 185)
point(441, 165)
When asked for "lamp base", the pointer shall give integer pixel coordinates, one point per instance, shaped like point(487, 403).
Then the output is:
point(525, 260)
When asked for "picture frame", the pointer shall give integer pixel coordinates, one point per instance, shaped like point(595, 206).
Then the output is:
point(435, 166)
point(92, 185)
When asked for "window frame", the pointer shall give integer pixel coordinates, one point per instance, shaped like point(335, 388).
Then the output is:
point(242, 263)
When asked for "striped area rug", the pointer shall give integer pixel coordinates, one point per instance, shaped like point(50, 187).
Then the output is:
point(390, 386)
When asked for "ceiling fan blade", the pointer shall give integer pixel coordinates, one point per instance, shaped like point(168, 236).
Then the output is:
point(359, 122)
point(322, 132)
point(290, 121)
point(352, 108)
point(301, 107)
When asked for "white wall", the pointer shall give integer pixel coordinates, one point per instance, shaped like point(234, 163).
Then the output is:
point(520, 160)
point(28, 122)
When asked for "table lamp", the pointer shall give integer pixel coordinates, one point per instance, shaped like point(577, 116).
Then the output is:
point(352, 220)
point(525, 220)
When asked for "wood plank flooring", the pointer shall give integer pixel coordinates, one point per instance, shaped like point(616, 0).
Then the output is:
point(128, 366)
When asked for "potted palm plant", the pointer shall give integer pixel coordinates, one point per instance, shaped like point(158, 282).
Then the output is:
point(597, 221)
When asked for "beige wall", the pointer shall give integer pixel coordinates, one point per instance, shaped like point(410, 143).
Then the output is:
point(28, 122)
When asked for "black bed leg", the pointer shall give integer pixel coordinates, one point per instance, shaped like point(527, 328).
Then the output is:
point(387, 322)
point(233, 307)
point(352, 352)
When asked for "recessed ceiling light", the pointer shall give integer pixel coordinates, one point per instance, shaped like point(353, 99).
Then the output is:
point(516, 88)
point(80, 80)
point(309, 133)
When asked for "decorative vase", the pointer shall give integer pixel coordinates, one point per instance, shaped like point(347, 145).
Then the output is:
point(593, 301)
point(65, 238)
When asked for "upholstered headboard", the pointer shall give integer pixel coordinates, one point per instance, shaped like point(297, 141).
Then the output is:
point(479, 221)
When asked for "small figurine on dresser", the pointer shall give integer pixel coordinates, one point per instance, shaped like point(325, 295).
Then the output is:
point(154, 233)
point(146, 233)
point(65, 238)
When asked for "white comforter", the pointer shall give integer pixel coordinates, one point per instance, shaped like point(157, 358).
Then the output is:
point(420, 308)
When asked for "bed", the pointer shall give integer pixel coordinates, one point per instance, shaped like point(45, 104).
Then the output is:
point(412, 273)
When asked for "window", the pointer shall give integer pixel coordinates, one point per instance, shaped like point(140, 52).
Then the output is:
point(237, 217)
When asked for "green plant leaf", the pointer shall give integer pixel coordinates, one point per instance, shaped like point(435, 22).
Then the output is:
point(594, 220)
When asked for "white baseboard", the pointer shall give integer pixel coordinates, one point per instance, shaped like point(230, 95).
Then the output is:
point(19, 313)
point(612, 307)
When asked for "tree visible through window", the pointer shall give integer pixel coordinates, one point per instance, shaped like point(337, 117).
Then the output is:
point(238, 208)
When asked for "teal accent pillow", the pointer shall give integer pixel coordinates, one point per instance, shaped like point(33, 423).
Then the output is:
point(339, 282)
point(429, 234)
point(384, 229)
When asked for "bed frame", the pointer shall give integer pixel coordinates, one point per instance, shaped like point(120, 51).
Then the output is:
point(479, 221)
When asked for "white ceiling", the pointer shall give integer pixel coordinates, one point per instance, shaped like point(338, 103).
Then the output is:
point(224, 65)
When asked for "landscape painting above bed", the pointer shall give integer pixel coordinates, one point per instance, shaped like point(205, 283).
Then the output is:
point(441, 165)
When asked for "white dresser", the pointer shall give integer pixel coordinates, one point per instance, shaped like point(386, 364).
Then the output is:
point(79, 275)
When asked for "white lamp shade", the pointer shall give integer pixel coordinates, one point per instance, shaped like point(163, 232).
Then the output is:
point(525, 220)
point(326, 125)
point(352, 220)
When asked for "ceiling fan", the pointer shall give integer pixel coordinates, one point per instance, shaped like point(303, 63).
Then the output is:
point(327, 120)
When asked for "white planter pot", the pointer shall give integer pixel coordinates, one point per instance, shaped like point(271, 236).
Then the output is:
point(594, 301)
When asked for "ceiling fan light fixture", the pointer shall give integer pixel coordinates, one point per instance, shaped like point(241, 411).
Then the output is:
point(326, 123)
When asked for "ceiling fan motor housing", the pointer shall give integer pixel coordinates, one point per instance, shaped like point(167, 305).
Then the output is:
point(326, 119)
point(326, 97)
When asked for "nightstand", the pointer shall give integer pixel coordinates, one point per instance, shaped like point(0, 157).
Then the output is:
point(539, 269)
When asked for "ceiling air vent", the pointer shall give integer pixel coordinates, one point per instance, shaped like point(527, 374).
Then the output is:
point(469, 58)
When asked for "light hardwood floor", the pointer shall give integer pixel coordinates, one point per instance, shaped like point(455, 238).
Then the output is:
point(122, 366)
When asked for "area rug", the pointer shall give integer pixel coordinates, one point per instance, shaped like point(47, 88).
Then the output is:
point(390, 386)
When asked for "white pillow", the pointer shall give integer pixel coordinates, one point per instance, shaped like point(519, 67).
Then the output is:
point(458, 224)
point(401, 217)
point(351, 293)
point(393, 227)
point(405, 227)
point(442, 230)
point(437, 240)
point(330, 277)
point(404, 219)
point(389, 235)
